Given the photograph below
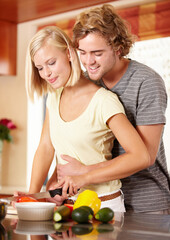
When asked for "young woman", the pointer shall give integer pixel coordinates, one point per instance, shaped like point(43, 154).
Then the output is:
point(82, 120)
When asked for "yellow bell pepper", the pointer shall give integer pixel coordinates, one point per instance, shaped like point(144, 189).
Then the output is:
point(88, 198)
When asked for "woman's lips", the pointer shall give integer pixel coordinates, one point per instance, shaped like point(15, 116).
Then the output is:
point(52, 80)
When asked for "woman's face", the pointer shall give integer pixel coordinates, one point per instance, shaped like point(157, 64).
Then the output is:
point(53, 65)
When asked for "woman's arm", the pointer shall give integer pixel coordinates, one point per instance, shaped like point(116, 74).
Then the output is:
point(135, 158)
point(42, 159)
point(52, 181)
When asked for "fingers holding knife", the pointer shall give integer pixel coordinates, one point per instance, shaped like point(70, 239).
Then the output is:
point(69, 186)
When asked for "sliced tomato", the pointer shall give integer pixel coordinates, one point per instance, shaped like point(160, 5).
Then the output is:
point(27, 199)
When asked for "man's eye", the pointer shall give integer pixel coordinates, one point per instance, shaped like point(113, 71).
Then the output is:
point(98, 54)
point(82, 53)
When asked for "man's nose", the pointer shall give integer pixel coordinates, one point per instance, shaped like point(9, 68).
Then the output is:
point(90, 59)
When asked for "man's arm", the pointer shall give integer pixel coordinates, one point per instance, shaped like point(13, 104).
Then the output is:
point(150, 134)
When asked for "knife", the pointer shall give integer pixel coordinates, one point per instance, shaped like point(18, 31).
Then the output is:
point(40, 195)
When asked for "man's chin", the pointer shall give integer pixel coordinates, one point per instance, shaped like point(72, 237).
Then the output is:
point(94, 77)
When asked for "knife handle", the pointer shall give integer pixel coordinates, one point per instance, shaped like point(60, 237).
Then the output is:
point(57, 191)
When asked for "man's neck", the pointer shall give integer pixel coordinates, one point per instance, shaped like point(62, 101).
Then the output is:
point(114, 76)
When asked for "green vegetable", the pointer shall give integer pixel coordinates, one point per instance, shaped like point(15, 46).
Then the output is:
point(81, 229)
point(88, 209)
point(104, 215)
point(57, 226)
point(61, 227)
point(81, 215)
point(61, 214)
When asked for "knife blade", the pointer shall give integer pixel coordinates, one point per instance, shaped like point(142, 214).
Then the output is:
point(40, 195)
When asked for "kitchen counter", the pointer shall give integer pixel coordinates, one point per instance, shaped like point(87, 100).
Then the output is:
point(132, 227)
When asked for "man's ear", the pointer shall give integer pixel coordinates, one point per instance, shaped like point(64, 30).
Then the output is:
point(118, 52)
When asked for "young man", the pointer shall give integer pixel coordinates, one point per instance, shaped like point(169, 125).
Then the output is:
point(103, 40)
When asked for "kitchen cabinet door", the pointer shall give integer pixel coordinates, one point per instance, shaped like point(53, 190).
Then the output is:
point(8, 44)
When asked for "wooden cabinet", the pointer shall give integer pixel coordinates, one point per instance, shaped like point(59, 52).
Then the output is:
point(8, 48)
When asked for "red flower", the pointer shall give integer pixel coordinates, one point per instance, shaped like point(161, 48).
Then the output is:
point(5, 126)
point(8, 123)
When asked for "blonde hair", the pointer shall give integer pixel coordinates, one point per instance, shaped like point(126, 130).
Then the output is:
point(106, 22)
point(54, 36)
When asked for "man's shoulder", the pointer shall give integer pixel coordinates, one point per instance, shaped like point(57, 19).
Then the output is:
point(139, 73)
point(142, 69)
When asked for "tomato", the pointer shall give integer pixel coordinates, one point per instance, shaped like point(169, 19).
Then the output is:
point(27, 199)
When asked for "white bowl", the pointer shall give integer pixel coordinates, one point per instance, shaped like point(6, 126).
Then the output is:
point(34, 227)
point(35, 211)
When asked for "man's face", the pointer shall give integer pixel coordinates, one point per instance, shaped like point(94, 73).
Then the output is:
point(96, 56)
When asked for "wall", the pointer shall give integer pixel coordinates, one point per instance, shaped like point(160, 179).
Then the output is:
point(13, 105)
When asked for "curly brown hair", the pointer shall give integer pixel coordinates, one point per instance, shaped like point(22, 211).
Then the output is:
point(106, 22)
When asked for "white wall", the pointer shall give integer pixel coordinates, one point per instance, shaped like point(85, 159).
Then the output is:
point(155, 53)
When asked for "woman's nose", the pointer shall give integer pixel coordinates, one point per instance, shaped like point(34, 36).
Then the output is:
point(47, 72)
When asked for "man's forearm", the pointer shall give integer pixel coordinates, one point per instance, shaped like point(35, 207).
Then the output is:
point(97, 165)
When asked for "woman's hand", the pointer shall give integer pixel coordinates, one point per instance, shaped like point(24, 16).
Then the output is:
point(73, 183)
point(51, 184)
point(18, 194)
point(57, 199)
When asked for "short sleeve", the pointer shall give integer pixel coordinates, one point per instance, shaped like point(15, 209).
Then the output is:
point(152, 102)
point(111, 106)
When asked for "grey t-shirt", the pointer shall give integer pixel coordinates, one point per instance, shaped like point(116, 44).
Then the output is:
point(142, 92)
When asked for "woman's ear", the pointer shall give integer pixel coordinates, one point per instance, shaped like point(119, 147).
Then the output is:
point(70, 54)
